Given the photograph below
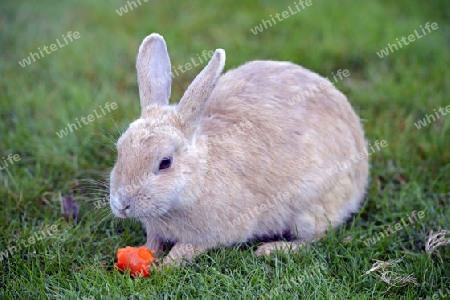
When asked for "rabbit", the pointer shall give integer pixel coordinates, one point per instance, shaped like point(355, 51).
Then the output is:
point(243, 155)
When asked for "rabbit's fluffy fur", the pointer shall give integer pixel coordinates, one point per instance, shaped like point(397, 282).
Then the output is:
point(250, 155)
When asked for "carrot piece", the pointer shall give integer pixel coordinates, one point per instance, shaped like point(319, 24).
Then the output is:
point(136, 259)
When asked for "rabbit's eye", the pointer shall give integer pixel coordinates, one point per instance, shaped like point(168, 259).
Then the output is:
point(165, 163)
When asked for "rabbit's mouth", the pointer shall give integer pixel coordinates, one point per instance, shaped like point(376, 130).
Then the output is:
point(121, 213)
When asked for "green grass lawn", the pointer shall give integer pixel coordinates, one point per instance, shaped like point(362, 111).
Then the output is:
point(50, 257)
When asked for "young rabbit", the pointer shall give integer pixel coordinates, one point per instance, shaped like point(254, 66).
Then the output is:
point(242, 156)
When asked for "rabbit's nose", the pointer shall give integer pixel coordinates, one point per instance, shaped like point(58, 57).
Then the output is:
point(121, 207)
point(124, 206)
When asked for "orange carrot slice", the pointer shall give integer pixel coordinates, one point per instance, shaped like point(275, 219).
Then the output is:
point(137, 260)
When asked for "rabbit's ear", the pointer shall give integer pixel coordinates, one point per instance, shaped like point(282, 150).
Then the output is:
point(194, 98)
point(153, 70)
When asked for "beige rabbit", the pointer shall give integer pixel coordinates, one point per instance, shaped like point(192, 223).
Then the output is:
point(242, 156)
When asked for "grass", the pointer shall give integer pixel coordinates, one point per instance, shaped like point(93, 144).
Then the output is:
point(390, 94)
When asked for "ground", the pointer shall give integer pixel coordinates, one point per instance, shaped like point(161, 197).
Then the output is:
point(46, 256)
